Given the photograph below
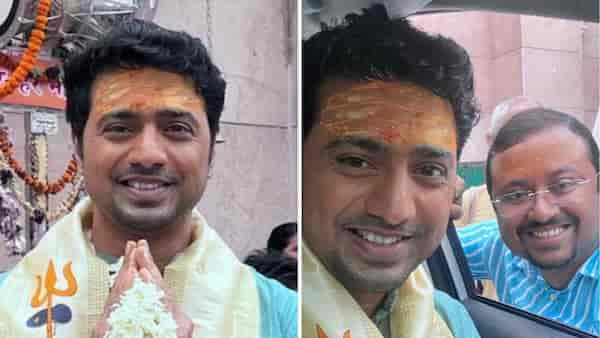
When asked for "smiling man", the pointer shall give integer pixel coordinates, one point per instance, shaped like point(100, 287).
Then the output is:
point(542, 176)
point(144, 105)
point(387, 109)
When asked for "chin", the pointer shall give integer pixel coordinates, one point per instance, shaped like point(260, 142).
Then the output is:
point(145, 219)
point(547, 263)
point(379, 280)
point(384, 285)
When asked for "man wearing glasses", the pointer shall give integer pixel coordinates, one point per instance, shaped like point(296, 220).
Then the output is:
point(542, 253)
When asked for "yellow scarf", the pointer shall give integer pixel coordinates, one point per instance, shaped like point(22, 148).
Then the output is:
point(63, 274)
point(329, 311)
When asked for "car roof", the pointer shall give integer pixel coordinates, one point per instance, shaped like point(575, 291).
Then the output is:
point(316, 11)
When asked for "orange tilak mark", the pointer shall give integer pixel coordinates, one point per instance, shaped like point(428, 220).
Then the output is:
point(139, 106)
point(388, 134)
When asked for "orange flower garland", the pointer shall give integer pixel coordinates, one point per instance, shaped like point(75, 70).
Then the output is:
point(34, 45)
point(37, 74)
point(33, 181)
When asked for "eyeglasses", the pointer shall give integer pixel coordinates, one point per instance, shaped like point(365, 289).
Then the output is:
point(521, 201)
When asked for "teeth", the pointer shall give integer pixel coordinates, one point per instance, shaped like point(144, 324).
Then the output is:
point(549, 233)
point(144, 186)
point(377, 239)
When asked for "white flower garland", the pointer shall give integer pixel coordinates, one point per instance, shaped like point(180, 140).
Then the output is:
point(141, 314)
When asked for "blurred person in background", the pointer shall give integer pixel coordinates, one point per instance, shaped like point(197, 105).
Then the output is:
point(279, 259)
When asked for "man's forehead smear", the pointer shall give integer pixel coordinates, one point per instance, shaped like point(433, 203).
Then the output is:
point(391, 112)
point(136, 90)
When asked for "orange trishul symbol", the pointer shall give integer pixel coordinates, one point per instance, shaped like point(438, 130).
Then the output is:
point(50, 286)
point(321, 333)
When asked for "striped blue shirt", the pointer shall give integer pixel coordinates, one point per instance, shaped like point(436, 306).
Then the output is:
point(520, 284)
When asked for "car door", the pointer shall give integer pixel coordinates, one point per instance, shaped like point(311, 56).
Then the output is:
point(450, 273)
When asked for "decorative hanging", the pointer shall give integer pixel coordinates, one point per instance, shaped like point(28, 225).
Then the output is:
point(9, 217)
point(65, 206)
point(11, 196)
point(34, 45)
point(34, 182)
point(50, 74)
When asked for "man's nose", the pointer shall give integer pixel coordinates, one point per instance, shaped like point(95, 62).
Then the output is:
point(393, 199)
point(544, 207)
point(148, 149)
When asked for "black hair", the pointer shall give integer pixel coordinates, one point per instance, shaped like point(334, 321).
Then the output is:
point(275, 265)
point(372, 46)
point(281, 235)
point(135, 44)
point(531, 122)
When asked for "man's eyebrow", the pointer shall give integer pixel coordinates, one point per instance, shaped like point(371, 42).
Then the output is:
point(362, 142)
point(117, 115)
point(523, 183)
point(567, 169)
point(171, 112)
point(428, 151)
point(516, 183)
point(178, 114)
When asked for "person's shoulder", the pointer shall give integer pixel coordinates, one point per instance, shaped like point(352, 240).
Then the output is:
point(273, 293)
point(271, 286)
point(455, 315)
point(279, 308)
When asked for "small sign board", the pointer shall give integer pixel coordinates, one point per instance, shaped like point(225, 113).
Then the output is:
point(44, 123)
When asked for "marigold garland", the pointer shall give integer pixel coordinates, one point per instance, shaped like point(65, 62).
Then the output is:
point(33, 181)
point(34, 45)
point(49, 75)
point(65, 206)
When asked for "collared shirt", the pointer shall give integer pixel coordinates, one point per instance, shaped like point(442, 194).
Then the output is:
point(381, 316)
point(521, 284)
point(453, 313)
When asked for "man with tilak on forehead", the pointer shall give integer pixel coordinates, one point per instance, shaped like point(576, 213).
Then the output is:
point(386, 111)
point(144, 105)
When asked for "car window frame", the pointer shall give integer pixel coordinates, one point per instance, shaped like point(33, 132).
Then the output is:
point(450, 273)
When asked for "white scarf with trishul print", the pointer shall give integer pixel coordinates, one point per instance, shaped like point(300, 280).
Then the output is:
point(59, 288)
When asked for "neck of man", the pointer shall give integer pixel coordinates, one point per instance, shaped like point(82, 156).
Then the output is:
point(368, 301)
point(110, 239)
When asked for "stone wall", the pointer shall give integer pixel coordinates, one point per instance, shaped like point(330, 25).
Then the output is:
point(553, 61)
